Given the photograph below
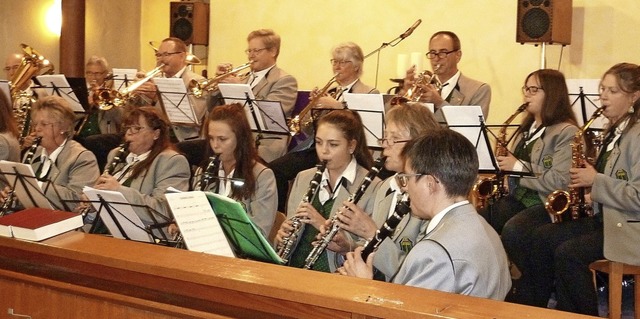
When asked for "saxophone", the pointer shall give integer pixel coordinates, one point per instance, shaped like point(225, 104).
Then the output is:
point(560, 201)
point(10, 200)
point(492, 187)
point(289, 243)
point(334, 227)
point(402, 208)
point(295, 124)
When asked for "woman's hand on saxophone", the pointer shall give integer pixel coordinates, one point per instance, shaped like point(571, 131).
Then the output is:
point(309, 215)
point(582, 177)
point(354, 266)
point(506, 163)
point(355, 220)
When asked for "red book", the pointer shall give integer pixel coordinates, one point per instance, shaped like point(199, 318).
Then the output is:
point(38, 223)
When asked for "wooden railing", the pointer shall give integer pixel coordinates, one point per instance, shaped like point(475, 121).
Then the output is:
point(76, 275)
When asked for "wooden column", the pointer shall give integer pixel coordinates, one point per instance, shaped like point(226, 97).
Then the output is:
point(72, 38)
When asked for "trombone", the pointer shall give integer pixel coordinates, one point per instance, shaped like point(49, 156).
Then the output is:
point(106, 99)
point(198, 87)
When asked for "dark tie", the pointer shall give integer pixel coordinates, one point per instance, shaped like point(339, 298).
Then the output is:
point(389, 192)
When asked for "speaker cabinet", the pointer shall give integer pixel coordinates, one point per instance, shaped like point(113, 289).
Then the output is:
point(546, 21)
point(190, 22)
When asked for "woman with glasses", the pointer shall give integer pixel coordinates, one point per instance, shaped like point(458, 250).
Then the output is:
point(150, 166)
point(460, 252)
point(9, 135)
point(241, 174)
point(62, 165)
point(404, 122)
point(542, 149)
point(340, 141)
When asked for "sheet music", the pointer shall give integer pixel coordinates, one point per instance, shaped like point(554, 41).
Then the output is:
point(238, 93)
point(57, 84)
point(4, 89)
point(198, 223)
point(123, 212)
point(123, 78)
point(370, 107)
point(466, 121)
point(591, 89)
point(273, 115)
point(26, 186)
point(175, 101)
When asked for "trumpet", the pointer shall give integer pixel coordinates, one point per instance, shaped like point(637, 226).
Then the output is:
point(295, 124)
point(289, 243)
point(560, 201)
point(199, 87)
point(107, 99)
point(10, 200)
point(415, 92)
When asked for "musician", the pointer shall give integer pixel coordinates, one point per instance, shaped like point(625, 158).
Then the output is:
point(445, 52)
point(173, 53)
point(460, 253)
point(9, 135)
point(11, 64)
point(340, 141)
point(404, 122)
point(347, 64)
point(268, 82)
point(543, 148)
point(228, 130)
point(566, 249)
point(62, 165)
point(99, 121)
point(151, 166)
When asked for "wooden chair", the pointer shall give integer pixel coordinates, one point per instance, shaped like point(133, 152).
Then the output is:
point(616, 270)
point(280, 217)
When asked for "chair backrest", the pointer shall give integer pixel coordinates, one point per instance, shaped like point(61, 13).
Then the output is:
point(301, 101)
point(280, 218)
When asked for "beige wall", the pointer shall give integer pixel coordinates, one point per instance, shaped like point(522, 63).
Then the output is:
point(603, 34)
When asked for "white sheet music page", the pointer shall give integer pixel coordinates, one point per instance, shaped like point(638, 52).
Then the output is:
point(238, 93)
point(123, 78)
point(198, 223)
point(176, 101)
point(273, 116)
point(57, 84)
point(371, 110)
point(27, 188)
point(465, 119)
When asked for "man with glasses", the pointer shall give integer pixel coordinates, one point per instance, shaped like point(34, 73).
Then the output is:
point(459, 252)
point(173, 54)
point(445, 52)
point(268, 82)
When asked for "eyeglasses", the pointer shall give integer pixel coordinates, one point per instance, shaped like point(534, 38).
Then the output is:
point(403, 179)
point(43, 124)
point(339, 62)
point(134, 129)
point(254, 51)
point(13, 67)
point(94, 73)
point(390, 142)
point(441, 55)
point(531, 89)
point(166, 54)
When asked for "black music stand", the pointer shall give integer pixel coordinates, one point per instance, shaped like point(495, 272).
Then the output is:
point(173, 98)
point(22, 180)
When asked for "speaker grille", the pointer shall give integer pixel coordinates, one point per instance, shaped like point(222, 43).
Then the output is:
point(535, 23)
point(182, 29)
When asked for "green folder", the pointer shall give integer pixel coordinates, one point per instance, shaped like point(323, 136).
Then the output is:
point(245, 238)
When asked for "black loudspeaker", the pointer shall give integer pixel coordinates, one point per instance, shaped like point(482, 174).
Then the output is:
point(189, 22)
point(546, 21)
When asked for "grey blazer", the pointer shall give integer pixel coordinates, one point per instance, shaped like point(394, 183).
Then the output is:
point(390, 253)
point(550, 160)
point(75, 168)
point(618, 190)
point(470, 92)
point(168, 169)
point(462, 255)
point(9, 147)
point(299, 189)
point(277, 85)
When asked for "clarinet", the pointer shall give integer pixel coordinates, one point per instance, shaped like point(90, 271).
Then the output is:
point(10, 200)
point(402, 208)
point(212, 170)
point(117, 159)
point(289, 243)
point(334, 228)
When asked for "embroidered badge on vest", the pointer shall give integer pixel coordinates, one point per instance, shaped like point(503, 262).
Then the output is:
point(622, 174)
point(547, 161)
point(406, 244)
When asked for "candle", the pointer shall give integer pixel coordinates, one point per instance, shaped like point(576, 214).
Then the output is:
point(416, 59)
point(403, 65)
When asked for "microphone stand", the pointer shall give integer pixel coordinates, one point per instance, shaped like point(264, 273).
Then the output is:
point(391, 43)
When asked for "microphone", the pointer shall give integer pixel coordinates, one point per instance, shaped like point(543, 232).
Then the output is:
point(410, 30)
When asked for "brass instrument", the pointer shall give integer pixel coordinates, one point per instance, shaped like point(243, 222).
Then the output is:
point(190, 59)
point(415, 92)
point(295, 124)
point(289, 243)
point(32, 64)
point(10, 200)
point(198, 87)
point(491, 187)
point(560, 201)
point(107, 99)
point(317, 250)
point(402, 208)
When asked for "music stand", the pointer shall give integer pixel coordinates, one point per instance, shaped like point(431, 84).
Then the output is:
point(21, 178)
point(246, 239)
point(370, 107)
point(122, 78)
point(57, 84)
point(175, 102)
